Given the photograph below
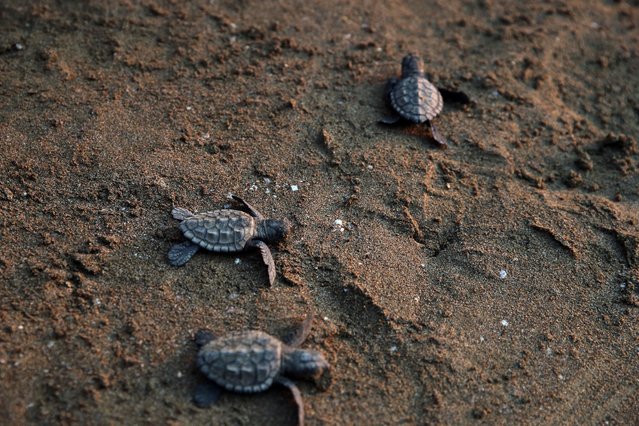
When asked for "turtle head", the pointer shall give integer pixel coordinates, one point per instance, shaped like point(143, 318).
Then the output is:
point(412, 65)
point(304, 364)
point(273, 230)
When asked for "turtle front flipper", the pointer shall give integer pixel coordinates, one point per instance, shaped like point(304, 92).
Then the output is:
point(390, 85)
point(297, 396)
point(437, 136)
point(180, 213)
point(181, 253)
point(254, 212)
point(206, 394)
point(267, 257)
point(296, 334)
point(454, 96)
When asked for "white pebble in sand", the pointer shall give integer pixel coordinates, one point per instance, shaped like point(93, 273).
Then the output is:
point(294, 188)
point(503, 274)
point(504, 323)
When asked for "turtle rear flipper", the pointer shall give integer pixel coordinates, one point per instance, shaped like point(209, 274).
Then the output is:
point(389, 119)
point(206, 394)
point(181, 253)
point(202, 337)
point(180, 213)
point(267, 257)
point(437, 136)
point(297, 397)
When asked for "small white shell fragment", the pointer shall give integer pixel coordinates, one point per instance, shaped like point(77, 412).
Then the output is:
point(294, 188)
point(503, 274)
point(238, 260)
point(338, 222)
point(504, 323)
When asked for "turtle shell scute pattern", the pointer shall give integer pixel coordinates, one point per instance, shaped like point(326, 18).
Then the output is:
point(245, 362)
point(220, 230)
point(416, 99)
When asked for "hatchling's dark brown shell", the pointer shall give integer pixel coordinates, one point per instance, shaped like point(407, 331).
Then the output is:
point(245, 362)
point(416, 99)
point(220, 230)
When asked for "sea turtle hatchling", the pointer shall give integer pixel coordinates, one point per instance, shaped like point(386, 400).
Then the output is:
point(251, 361)
point(413, 97)
point(226, 231)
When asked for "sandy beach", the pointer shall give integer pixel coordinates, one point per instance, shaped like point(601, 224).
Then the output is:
point(493, 282)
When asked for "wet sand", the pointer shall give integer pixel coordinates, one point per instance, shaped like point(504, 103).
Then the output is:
point(493, 282)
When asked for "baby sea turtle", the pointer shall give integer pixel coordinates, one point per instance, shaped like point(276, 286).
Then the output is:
point(226, 231)
point(251, 361)
point(413, 97)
